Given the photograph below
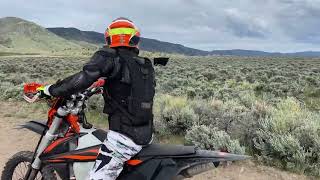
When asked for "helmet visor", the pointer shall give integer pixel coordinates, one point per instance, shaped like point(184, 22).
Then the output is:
point(119, 31)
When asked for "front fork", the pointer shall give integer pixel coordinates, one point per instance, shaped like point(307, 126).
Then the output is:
point(47, 139)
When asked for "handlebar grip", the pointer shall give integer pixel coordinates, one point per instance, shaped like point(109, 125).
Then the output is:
point(97, 90)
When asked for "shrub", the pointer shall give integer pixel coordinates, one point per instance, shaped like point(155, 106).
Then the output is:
point(176, 113)
point(10, 91)
point(290, 138)
point(241, 96)
point(211, 138)
point(233, 117)
point(96, 103)
point(208, 114)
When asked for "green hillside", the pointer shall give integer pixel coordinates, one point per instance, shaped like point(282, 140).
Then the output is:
point(21, 36)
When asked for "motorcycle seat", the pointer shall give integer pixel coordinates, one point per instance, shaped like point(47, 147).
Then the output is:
point(155, 149)
point(166, 150)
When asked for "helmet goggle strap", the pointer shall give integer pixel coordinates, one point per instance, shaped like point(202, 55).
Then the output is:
point(108, 39)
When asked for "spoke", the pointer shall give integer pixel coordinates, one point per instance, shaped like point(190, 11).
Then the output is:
point(25, 165)
point(19, 169)
point(23, 169)
point(16, 172)
point(14, 176)
point(39, 176)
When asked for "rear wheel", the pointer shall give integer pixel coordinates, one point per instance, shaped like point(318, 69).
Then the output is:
point(17, 167)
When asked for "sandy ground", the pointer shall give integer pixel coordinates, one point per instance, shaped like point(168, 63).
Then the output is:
point(14, 140)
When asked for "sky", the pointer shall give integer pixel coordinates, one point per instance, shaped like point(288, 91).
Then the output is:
point(268, 25)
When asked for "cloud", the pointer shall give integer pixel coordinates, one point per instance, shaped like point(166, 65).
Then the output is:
point(271, 25)
point(242, 25)
point(300, 20)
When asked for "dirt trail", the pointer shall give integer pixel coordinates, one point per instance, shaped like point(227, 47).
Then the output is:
point(13, 140)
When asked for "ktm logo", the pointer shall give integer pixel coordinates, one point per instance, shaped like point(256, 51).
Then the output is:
point(122, 38)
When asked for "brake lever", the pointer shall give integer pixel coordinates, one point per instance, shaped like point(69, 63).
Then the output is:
point(33, 99)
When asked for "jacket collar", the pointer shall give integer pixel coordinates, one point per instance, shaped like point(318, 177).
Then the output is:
point(127, 51)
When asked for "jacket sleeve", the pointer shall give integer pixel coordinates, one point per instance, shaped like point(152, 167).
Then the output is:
point(99, 65)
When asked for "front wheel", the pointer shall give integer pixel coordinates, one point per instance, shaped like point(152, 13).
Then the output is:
point(17, 167)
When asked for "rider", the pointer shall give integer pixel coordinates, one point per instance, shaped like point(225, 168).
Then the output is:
point(128, 95)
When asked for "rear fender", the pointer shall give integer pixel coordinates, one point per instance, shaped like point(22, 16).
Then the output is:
point(204, 160)
point(216, 156)
point(205, 156)
point(35, 126)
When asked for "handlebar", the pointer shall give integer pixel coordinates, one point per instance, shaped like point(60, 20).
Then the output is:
point(72, 105)
point(31, 94)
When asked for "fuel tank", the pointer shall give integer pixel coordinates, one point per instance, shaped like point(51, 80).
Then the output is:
point(92, 138)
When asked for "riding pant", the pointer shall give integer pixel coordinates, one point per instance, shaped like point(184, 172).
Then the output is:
point(114, 152)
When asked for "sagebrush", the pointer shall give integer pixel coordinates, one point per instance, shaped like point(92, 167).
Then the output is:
point(266, 106)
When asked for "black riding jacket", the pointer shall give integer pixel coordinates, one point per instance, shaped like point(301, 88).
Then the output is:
point(105, 64)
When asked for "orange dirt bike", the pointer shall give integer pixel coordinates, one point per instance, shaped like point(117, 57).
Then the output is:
point(69, 146)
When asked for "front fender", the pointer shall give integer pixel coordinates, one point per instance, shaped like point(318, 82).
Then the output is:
point(35, 126)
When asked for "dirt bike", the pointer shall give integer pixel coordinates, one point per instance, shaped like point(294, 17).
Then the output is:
point(69, 146)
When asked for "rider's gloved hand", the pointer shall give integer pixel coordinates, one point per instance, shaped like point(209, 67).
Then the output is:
point(44, 91)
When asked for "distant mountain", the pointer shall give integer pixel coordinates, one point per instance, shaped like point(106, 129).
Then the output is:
point(160, 46)
point(153, 45)
point(77, 35)
point(18, 35)
point(240, 52)
point(304, 54)
point(248, 53)
point(146, 44)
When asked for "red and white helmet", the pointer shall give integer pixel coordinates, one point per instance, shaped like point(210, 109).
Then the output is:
point(122, 33)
